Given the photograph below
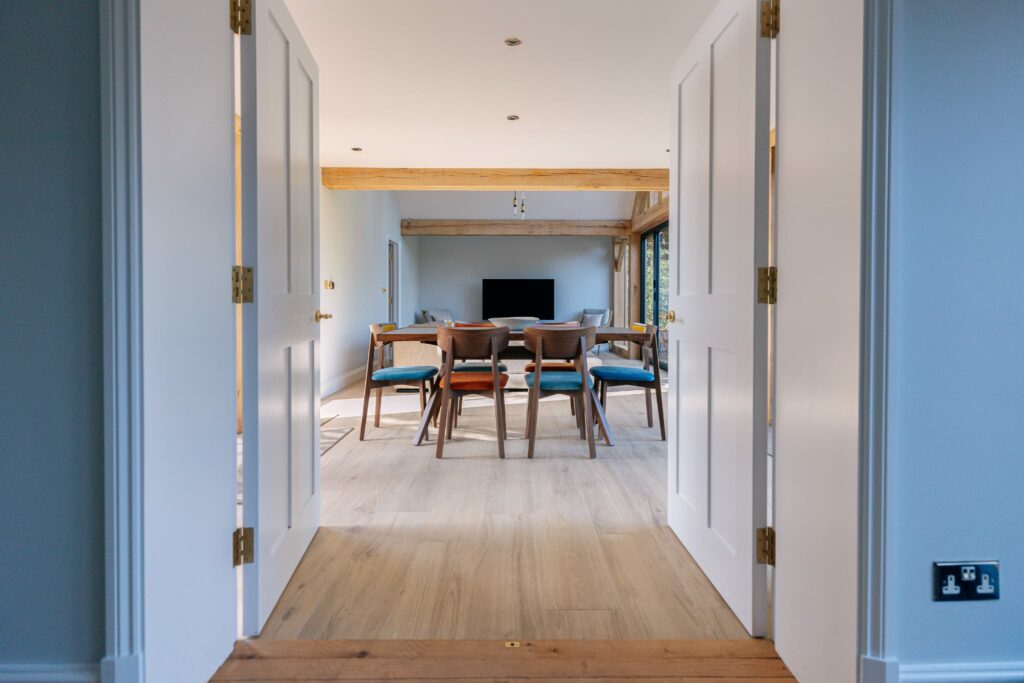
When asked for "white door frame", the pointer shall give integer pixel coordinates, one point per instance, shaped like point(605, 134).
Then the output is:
point(122, 338)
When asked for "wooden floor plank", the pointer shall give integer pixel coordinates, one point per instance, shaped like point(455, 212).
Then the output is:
point(474, 547)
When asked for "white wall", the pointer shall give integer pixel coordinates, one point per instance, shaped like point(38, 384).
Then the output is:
point(354, 231)
point(820, 60)
point(452, 268)
point(956, 391)
point(51, 341)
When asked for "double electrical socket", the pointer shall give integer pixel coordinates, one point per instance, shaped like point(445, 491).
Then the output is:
point(966, 581)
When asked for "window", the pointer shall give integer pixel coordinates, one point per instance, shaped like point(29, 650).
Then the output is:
point(654, 268)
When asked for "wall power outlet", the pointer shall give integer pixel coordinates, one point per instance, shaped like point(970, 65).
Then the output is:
point(966, 581)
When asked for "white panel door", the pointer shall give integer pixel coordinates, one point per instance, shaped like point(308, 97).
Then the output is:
point(281, 338)
point(718, 343)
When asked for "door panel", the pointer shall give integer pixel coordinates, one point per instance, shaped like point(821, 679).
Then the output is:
point(718, 350)
point(281, 239)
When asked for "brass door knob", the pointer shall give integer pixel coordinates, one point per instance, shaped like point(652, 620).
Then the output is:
point(670, 316)
point(318, 316)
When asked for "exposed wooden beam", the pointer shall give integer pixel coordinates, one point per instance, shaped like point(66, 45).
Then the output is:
point(621, 179)
point(652, 217)
point(461, 228)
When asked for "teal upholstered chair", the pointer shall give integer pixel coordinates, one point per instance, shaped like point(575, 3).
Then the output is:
point(648, 376)
point(378, 376)
point(565, 344)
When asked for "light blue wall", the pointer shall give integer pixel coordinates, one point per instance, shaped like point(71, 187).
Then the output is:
point(956, 439)
point(451, 270)
point(354, 231)
point(51, 355)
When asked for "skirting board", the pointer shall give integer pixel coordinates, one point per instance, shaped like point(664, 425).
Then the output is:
point(50, 673)
point(976, 672)
point(874, 670)
point(338, 383)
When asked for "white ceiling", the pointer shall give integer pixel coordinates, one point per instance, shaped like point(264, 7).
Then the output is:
point(498, 205)
point(429, 83)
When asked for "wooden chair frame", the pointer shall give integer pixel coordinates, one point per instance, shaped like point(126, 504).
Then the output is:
point(377, 349)
point(470, 342)
point(649, 353)
point(565, 344)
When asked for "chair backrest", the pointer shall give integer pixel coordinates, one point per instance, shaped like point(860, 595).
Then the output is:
point(377, 344)
point(477, 325)
point(649, 345)
point(472, 342)
point(559, 343)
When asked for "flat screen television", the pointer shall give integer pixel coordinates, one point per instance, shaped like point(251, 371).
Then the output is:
point(512, 298)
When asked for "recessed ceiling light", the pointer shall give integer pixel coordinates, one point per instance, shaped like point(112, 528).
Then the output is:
point(512, 117)
point(667, 150)
point(513, 41)
point(357, 149)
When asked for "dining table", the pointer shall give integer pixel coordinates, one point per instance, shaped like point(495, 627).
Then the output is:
point(427, 334)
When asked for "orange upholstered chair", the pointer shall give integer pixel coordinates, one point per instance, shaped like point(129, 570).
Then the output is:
point(471, 342)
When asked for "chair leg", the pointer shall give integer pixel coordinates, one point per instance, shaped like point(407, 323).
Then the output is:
point(661, 414)
point(504, 415)
point(572, 407)
point(650, 415)
point(499, 426)
point(376, 415)
point(366, 407)
point(604, 395)
point(532, 430)
point(460, 408)
point(588, 420)
point(423, 396)
point(453, 415)
point(445, 408)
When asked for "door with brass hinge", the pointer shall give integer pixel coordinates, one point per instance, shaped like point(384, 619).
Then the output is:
point(718, 340)
point(281, 328)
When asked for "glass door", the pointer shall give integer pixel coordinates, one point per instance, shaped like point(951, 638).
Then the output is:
point(654, 251)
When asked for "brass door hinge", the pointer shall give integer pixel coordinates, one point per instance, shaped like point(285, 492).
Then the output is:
point(770, 18)
point(242, 546)
point(241, 17)
point(767, 285)
point(241, 284)
point(766, 546)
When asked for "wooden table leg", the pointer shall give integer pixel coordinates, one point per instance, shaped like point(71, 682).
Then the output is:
point(428, 414)
point(602, 419)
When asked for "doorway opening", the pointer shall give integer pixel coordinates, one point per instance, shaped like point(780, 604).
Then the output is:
point(654, 266)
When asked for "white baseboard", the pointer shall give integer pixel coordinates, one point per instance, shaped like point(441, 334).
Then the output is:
point(345, 380)
point(976, 672)
point(125, 669)
point(875, 670)
point(50, 673)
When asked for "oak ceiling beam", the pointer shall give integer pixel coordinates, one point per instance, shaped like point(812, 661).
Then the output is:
point(651, 217)
point(620, 179)
point(527, 228)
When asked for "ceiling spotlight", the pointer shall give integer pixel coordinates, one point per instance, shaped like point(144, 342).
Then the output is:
point(357, 149)
point(513, 42)
point(512, 117)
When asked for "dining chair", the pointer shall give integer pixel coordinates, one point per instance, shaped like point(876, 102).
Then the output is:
point(648, 376)
point(379, 376)
point(473, 364)
point(471, 342)
point(562, 344)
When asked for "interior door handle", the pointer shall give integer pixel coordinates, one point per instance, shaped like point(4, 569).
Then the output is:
point(670, 316)
point(318, 316)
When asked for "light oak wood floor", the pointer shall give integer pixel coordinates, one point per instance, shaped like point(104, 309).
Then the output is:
point(636, 661)
point(471, 547)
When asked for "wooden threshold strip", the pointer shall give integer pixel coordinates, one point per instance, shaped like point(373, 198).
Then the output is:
point(491, 228)
point(474, 660)
point(566, 179)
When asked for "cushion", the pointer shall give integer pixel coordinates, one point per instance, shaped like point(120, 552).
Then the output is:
point(478, 367)
point(437, 315)
point(407, 373)
point(558, 381)
point(605, 313)
point(592, 320)
point(475, 381)
point(622, 373)
point(551, 367)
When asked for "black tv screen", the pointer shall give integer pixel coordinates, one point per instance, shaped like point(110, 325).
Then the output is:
point(513, 298)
